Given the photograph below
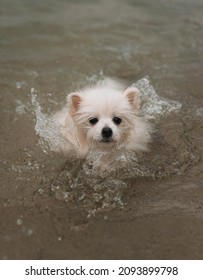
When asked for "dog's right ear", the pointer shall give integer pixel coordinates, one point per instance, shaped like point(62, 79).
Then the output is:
point(133, 96)
point(74, 101)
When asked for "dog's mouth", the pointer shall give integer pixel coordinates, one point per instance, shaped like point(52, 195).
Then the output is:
point(107, 140)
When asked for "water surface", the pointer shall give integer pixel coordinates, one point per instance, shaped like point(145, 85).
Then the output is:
point(51, 209)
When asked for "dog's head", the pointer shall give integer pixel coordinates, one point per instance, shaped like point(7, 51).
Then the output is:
point(105, 117)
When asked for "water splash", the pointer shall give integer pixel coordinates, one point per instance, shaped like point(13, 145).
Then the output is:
point(153, 106)
point(49, 130)
point(88, 185)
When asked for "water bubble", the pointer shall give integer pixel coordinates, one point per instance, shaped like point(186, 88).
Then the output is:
point(34, 74)
point(19, 221)
point(29, 232)
point(199, 112)
point(21, 108)
point(21, 85)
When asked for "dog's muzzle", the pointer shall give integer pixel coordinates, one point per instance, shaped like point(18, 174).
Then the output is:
point(107, 134)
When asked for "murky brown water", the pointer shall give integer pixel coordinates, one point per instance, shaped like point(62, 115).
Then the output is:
point(51, 209)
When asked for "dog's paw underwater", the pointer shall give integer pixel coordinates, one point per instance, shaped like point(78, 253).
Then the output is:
point(107, 126)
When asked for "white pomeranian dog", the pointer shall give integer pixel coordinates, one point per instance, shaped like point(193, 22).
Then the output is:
point(103, 118)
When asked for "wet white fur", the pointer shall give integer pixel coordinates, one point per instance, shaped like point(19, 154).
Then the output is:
point(105, 100)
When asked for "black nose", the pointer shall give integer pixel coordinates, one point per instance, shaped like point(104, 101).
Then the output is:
point(107, 132)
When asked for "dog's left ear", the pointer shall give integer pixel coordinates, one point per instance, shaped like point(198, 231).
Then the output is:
point(133, 96)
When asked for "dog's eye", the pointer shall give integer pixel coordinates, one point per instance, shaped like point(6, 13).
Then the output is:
point(93, 120)
point(117, 120)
